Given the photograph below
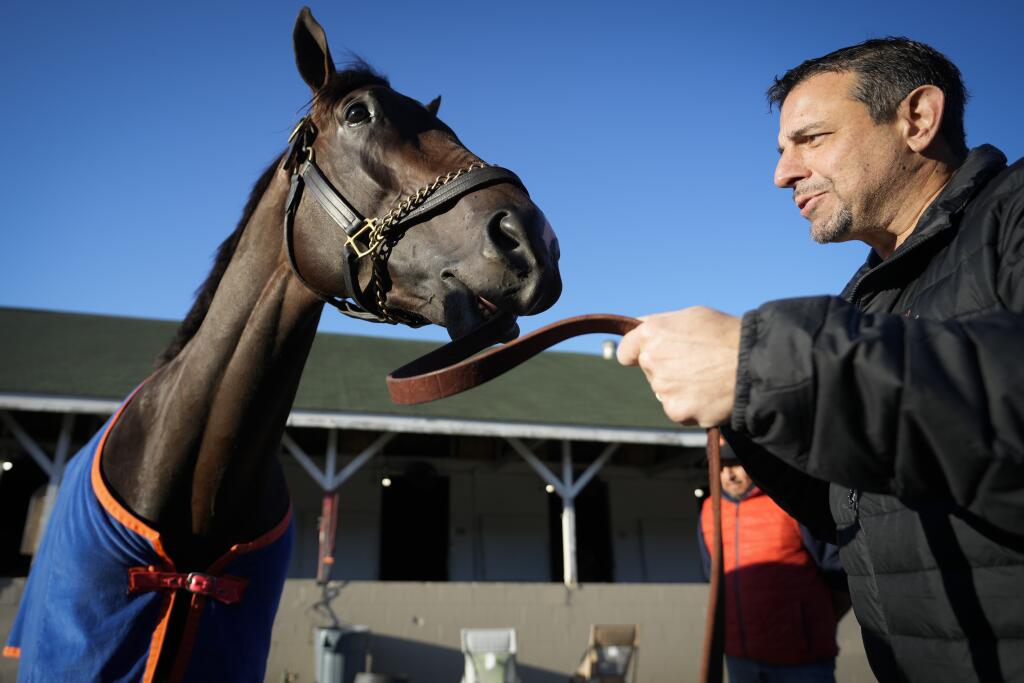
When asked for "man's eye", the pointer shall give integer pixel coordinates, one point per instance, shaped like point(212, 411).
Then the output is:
point(357, 112)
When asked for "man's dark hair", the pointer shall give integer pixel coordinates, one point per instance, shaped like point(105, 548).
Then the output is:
point(888, 69)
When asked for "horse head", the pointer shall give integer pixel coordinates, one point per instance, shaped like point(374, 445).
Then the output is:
point(407, 222)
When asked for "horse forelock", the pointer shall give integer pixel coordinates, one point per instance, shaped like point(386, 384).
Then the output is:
point(359, 74)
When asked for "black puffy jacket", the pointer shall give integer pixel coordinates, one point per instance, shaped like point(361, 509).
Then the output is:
point(907, 394)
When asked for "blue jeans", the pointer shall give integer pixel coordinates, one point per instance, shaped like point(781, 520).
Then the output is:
point(749, 671)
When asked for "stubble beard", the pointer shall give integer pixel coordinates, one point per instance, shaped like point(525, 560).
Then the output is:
point(837, 228)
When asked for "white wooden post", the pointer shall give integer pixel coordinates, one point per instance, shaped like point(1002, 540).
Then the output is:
point(60, 457)
point(332, 455)
point(329, 480)
point(569, 573)
point(567, 490)
point(353, 465)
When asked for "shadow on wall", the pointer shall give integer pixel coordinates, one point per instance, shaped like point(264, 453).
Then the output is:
point(426, 663)
point(417, 661)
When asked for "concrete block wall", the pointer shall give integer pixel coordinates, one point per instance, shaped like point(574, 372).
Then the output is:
point(416, 626)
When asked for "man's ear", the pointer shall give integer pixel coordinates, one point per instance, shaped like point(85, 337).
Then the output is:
point(434, 105)
point(921, 116)
point(312, 55)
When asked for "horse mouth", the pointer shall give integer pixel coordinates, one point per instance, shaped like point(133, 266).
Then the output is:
point(466, 310)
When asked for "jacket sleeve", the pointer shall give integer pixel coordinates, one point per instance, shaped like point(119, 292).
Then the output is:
point(925, 410)
point(803, 497)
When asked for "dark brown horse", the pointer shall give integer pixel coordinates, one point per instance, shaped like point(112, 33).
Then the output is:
point(194, 453)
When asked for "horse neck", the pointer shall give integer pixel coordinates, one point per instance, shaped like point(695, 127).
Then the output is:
point(209, 423)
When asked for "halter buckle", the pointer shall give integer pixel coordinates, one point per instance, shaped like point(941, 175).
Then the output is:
point(369, 225)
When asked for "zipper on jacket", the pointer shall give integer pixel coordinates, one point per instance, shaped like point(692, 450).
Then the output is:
point(886, 264)
point(853, 497)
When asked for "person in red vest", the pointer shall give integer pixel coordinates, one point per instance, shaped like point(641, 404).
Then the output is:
point(784, 590)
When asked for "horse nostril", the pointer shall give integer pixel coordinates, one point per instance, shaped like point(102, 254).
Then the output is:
point(506, 232)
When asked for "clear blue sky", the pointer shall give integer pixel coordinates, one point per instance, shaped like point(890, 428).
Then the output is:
point(132, 132)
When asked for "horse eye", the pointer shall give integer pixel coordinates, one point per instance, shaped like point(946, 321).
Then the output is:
point(357, 112)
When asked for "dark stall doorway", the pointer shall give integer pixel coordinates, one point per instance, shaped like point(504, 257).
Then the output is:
point(414, 527)
point(593, 534)
point(19, 486)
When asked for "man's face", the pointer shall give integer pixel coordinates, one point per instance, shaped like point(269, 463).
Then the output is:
point(735, 481)
point(844, 169)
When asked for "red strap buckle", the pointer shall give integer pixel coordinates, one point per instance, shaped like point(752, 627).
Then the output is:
point(226, 589)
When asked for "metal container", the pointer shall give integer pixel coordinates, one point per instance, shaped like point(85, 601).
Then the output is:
point(340, 653)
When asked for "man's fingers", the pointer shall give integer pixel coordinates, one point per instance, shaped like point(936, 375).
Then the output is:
point(629, 348)
point(689, 359)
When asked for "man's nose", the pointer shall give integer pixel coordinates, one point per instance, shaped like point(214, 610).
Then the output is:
point(790, 170)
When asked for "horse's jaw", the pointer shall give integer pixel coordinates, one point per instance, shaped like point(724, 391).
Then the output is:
point(464, 310)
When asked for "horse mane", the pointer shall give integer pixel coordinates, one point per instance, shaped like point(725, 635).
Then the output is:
point(204, 295)
point(357, 75)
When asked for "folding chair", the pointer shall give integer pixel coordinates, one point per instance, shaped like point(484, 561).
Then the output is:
point(490, 655)
point(610, 651)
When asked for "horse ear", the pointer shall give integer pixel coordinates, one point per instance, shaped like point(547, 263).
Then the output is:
point(434, 105)
point(312, 55)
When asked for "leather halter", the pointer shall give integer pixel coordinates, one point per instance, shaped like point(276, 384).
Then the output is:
point(370, 236)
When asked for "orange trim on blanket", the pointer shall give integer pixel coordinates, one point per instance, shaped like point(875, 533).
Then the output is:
point(130, 521)
point(188, 637)
point(112, 505)
point(12, 652)
point(156, 643)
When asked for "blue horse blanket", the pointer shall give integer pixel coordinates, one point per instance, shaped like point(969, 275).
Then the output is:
point(98, 599)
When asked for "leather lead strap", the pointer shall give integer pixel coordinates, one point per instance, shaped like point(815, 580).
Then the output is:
point(714, 622)
point(450, 369)
point(454, 368)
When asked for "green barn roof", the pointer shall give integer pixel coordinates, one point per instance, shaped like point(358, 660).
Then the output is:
point(48, 354)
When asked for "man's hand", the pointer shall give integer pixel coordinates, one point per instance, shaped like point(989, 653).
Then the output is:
point(690, 359)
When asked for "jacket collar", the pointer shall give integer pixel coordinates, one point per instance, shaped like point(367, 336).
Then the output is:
point(978, 168)
point(752, 492)
point(982, 163)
